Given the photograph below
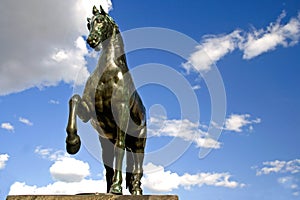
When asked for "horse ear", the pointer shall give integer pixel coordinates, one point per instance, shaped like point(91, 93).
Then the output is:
point(89, 23)
point(102, 10)
point(95, 11)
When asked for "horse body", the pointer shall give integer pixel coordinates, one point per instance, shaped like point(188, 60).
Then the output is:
point(113, 106)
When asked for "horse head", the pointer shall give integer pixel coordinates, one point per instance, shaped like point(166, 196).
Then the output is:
point(101, 27)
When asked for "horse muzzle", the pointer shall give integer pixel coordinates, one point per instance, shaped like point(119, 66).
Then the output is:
point(93, 40)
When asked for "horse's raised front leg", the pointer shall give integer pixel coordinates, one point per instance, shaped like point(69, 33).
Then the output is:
point(121, 113)
point(80, 108)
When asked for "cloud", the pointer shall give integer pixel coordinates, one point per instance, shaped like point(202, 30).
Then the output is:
point(71, 177)
point(212, 49)
point(25, 121)
point(50, 154)
point(237, 122)
point(184, 129)
point(42, 44)
point(3, 160)
point(7, 126)
point(64, 168)
point(197, 133)
point(155, 179)
point(296, 194)
point(276, 34)
point(84, 186)
point(69, 170)
point(290, 183)
point(45, 153)
point(158, 180)
point(196, 87)
point(289, 168)
point(63, 188)
point(69, 174)
point(253, 43)
point(277, 166)
point(55, 102)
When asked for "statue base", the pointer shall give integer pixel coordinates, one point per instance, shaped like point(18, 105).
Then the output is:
point(92, 197)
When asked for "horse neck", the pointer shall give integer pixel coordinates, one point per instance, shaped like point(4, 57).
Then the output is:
point(113, 48)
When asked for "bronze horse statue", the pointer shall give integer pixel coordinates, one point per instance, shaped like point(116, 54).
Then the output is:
point(113, 106)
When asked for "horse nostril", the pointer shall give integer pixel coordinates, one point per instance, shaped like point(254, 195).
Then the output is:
point(89, 39)
point(92, 39)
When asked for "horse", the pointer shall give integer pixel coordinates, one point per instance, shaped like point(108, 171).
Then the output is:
point(113, 106)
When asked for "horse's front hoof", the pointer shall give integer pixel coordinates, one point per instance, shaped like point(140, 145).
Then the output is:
point(73, 144)
point(116, 189)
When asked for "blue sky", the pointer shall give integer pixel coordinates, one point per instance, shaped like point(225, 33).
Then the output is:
point(219, 80)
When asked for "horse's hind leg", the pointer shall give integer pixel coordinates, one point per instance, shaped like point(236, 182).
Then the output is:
point(80, 108)
point(135, 185)
point(121, 112)
point(108, 159)
point(129, 166)
point(137, 145)
point(119, 151)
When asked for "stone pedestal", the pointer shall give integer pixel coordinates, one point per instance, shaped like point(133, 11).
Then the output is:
point(92, 197)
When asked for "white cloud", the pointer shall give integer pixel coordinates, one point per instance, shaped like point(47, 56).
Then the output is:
point(25, 121)
point(212, 49)
point(155, 179)
point(283, 180)
point(70, 177)
point(252, 43)
point(294, 186)
point(290, 168)
point(42, 152)
point(277, 166)
point(7, 126)
point(196, 87)
point(50, 154)
point(158, 180)
point(290, 183)
point(261, 41)
point(296, 194)
point(195, 132)
point(237, 122)
point(55, 102)
point(63, 188)
point(69, 174)
point(41, 43)
point(3, 160)
point(184, 129)
point(64, 168)
point(84, 186)
point(69, 170)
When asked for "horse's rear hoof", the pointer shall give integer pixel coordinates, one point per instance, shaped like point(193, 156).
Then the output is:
point(137, 192)
point(73, 144)
point(116, 189)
